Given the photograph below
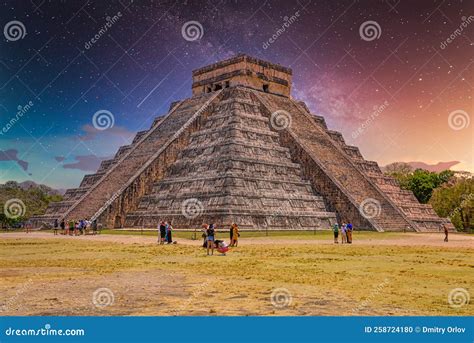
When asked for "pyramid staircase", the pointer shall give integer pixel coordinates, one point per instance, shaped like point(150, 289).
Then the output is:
point(235, 170)
point(118, 184)
point(345, 178)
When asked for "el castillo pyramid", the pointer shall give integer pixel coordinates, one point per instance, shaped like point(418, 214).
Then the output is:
point(242, 150)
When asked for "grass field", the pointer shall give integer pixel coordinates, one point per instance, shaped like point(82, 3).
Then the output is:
point(380, 274)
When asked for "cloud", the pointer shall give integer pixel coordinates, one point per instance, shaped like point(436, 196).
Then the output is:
point(12, 155)
point(91, 133)
point(86, 162)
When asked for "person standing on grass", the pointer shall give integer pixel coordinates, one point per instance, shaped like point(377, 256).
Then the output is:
point(349, 233)
point(169, 229)
point(70, 229)
point(56, 224)
point(335, 229)
point(343, 233)
point(235, 235)
point(162, 232)
point(63, 226)
point(210, 233)
point(445, 226)
point(231, 233)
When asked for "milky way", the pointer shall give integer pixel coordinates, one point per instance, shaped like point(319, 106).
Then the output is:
point(394, 76)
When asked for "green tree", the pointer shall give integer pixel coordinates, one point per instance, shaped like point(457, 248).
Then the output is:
point(456, 201)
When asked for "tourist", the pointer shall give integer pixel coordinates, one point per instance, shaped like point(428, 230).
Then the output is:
point(94, 227)
point(63, 226)
point(169, 229)
point(70, 227)
point(76, 228)
point(81, 226)
point(343, 233)
point(210, 233)
point(349, 232)
point(231, 232)
point(27, 227)
point(87, 229)
point(335, 229)
point(162, 232)
point(235, 235)
point(445, 232)
point(204, 235)
point(56, 224)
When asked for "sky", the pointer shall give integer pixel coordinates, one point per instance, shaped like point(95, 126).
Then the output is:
point(395, 77)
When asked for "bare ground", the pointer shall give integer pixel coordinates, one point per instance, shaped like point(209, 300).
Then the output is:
point(178, 280)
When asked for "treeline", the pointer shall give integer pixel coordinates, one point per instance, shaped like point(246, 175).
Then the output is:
point(451, 195)
point(18, 203)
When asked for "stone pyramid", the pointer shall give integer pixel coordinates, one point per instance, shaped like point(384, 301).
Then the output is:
point(242, 150)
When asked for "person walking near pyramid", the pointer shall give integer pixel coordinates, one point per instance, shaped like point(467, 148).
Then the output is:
point(63, 226)
point(335, 229)
point(210, 233)
point(161, 232)
point(349, 232)
point(235, 235)
point(343, 233)
point(169, 229)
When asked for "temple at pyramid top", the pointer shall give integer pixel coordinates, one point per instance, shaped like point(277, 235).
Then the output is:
point(243, 70)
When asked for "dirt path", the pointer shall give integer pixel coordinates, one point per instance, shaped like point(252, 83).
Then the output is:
point(407, 239)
